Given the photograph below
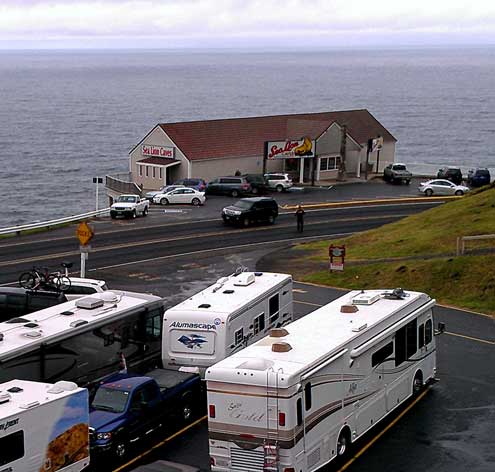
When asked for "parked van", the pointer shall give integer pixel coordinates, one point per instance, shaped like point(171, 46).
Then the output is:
point(224, 318)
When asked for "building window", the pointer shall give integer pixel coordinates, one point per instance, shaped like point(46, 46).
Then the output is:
point(161, 173)
point(329, 163)
point(259, 324)
point(147, 171)
point(140, 170)
point(154, 172)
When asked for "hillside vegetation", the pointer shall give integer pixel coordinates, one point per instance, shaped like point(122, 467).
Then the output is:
point(418, 253)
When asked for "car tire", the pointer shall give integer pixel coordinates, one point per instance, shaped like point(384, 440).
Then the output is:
point(145, 211)
point(195, 201)
point(271, 219)
point(428, 192)
point(458, 193)
point(245, 222)
point(163, 201)
point(279, 188)
point(133, 214)
point(121, 450)
point(234, 193)
point(408, 182)
point(113, 216)
point(254, 191)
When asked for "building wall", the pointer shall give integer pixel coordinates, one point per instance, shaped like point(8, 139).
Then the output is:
point(157, 137)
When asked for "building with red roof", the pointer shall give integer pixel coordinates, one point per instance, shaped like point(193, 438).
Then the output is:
point(311, 146)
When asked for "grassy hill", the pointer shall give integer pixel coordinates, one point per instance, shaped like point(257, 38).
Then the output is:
point(418, 253)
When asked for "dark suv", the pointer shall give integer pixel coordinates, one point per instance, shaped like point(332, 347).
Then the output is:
point(258, 182)
point(196, 184)
point(15, 301)
point(231, 185)
point(453, 174)
point(251, 210)
point(478, 177)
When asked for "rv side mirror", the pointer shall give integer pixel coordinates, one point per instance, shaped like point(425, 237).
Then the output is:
point(440, 329)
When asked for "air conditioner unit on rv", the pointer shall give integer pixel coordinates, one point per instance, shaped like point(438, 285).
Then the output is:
point(365, 298)
point(244, 279)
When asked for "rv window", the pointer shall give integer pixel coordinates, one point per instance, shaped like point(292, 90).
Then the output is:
point(412, 338)
point(259, 324)
point(400, 346)
point(153, 327)
point(379, 356)
point(238, 336)
point(428, 332)
point(11, 447)
point(307, 396)
point(299, 412)
point(274, 306)
point(421, 336)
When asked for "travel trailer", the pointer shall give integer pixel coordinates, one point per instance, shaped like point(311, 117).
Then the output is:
point(82, 340)
point(224, 318)
point(296, 399)
point(43, 427)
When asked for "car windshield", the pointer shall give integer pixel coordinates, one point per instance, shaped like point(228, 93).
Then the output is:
point(399, 167)
point(108, 399)
point(243, 204)
point(126, 199)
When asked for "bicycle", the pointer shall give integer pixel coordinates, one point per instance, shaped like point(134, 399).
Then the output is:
point(41, 278)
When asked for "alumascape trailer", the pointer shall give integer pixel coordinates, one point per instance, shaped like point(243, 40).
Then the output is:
point(43, 427)
point(222, 319)
point(296, 399)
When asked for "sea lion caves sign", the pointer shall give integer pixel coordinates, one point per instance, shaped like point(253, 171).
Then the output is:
point(84, 233)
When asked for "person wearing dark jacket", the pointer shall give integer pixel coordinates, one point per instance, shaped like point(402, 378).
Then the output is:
point(300, 218)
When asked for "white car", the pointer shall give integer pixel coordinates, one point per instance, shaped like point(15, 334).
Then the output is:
point(166, 188)
point(278, 181)
point(80, 287)
point(180, 195)
point(441, 187)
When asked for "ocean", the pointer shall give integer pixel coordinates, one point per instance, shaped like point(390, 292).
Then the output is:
point(69, 116)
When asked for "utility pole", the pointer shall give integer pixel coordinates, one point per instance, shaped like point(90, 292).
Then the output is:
point(343, 145)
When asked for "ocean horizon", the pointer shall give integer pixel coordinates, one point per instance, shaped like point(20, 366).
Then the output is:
point(67, 116)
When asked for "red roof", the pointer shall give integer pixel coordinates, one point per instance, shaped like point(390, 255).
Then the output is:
point(245, 137)
point(162, 161)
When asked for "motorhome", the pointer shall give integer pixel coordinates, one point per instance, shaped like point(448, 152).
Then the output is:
point(43, 427)
point(297, 398)
point(224, 318)
point(82, 340)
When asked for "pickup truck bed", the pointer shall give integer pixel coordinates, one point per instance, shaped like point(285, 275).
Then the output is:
point(169, 378)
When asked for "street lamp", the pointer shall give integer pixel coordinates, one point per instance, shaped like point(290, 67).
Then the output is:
point(97, 181)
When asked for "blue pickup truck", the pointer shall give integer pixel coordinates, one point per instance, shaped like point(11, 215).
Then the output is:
point(126, 408)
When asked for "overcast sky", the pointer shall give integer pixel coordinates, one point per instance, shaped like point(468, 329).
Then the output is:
point(244, 23)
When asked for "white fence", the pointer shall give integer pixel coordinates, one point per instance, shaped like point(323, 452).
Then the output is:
point(48, 224)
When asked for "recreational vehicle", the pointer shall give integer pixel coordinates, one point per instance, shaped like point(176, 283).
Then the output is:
point(296, 399)
point(43, 427)
point(82, 340)
point(224, 318)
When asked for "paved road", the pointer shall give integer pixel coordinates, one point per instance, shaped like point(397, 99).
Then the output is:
point(450, 429)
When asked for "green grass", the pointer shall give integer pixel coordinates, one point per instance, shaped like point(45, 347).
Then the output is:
point(430, 237)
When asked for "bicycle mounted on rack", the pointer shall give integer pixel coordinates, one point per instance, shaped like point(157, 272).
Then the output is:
point(42, 278)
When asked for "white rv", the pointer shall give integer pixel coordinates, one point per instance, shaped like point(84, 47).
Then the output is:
point(296, 399)
point(43, 427)
point(224, 318)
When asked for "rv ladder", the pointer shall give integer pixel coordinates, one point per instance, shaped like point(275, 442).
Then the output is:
point(270, 457)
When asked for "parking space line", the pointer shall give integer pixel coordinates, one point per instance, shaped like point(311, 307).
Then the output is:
point(381, 433)
point(470, 338)
point(160, 444)
point(307, 303)
point(299, 290)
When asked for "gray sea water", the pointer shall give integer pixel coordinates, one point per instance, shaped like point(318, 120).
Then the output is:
point(67, 116)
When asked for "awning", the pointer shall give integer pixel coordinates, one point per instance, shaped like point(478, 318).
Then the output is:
point(159, 161)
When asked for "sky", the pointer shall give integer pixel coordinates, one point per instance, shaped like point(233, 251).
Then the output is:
point(244, 23)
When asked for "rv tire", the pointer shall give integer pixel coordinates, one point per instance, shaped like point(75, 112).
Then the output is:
point(417, 383)
point(344, 442)
point(186, 410)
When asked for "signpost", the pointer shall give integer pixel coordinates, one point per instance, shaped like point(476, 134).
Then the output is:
point(337, 257)
point(84, 233)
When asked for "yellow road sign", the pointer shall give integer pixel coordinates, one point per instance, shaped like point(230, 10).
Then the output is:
point(84, 233)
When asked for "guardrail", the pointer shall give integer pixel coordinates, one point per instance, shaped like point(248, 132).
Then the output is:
point(461, 241)
point(47, 224)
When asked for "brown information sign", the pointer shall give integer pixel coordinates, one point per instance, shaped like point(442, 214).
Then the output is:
point(84, 233)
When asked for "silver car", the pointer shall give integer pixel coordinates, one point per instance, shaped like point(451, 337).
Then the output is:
point(441, 187)
point(278, 181)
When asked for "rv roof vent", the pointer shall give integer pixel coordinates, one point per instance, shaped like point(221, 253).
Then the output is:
point(360, 328)
point(31, 325)
point(67, 313)
point(26, 406)
point(228, 291)
point(4, 397)
point(366, 298)
point(278, 333)
point(204, 305)
point(32, 334)
point(281, 347)
point(244, 279)
point(17, 320)
point(1, 336)
point(89, 303)
point(77, 323)
point(256, 364)
point(62, 386)
point(109, 297)
point(348, 309)
point(258, 274)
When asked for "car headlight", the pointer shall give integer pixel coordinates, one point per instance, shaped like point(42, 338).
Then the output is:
point(104, 436)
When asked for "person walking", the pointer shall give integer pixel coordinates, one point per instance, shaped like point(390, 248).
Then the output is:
point(300, 218)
